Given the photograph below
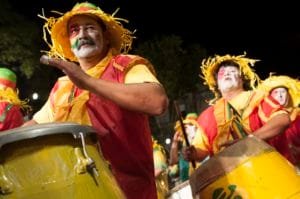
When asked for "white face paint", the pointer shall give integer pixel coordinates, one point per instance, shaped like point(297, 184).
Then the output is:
point(229, 78)
point(190, 131)
point(281, 95)
point(86, 36)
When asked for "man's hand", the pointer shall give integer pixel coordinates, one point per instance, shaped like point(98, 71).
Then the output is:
point(177, 137)
point(72, 70)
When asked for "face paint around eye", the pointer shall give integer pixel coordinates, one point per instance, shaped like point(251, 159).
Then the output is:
point(221, 73)
point(229, 79)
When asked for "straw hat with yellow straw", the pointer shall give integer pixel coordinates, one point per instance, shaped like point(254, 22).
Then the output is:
point(120, 38)
point(210, 67)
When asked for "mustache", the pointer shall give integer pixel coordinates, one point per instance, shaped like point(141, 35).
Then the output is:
point(84, 41)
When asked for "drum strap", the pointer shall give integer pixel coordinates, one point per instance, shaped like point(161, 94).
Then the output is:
point(3, 115)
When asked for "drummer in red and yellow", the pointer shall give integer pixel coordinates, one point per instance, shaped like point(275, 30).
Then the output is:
point(237, 109)
point(106, 88)
point(286, 91)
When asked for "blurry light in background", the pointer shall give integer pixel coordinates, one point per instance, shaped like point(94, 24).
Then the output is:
point(168, 141)
point(35, 96)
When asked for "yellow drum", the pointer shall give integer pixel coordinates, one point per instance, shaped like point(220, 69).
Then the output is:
point(248, 169)
point(57, 160)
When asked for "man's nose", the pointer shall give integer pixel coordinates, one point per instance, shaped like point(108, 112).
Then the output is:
point(280, 95)
point(226, 73)
point(82, 32)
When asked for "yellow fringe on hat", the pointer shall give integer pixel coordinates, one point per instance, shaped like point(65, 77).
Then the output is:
point(210, 67)
point(11, 96)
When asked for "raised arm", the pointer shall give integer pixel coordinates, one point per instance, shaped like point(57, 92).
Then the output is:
point(149, 98)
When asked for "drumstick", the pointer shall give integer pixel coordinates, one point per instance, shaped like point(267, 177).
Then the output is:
point(183, 129)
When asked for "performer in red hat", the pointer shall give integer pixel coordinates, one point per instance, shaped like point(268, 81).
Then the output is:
point(10, 104)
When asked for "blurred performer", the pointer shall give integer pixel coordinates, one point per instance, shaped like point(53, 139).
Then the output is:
point(179, 166)
point(10, 104)
point(286, 91)
point(160, 169)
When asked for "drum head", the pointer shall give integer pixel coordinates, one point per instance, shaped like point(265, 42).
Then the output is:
point(226, 161)
point(38, 130)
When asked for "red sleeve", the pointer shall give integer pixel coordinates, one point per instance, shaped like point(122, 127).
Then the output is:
point(12, 118)
point(208, 123)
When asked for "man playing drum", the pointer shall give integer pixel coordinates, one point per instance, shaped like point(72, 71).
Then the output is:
point(236, 111)
point(111, 91)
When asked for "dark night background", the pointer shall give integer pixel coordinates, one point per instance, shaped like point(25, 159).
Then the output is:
point(268, 33)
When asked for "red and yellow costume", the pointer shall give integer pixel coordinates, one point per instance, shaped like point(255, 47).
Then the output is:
point(219, 123)
point(124, 135)
point(227, 120)
point(10, 104)
point(291, 136)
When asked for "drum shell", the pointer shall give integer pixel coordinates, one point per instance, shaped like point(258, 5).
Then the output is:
point(49, 166)
point(248, 169)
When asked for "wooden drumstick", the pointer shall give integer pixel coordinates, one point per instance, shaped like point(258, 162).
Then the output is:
point(183, 129)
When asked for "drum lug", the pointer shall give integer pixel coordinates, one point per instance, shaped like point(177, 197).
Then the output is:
point(89, 162)
point(6, 186)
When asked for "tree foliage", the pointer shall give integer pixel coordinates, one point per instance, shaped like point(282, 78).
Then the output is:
point(20, 41)
point(177, 65)
point(20, 45)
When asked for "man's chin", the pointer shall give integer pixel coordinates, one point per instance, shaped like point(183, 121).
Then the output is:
point(228, 88)
point(84, 53)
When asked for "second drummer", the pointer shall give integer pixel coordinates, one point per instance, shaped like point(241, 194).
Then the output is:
point(237, 110)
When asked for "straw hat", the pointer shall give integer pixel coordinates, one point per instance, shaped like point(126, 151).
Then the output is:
point(293, 86)
point(10, 93)
point(190, 118)
point(120, 38)
point(211, 66)
point(8, 78)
